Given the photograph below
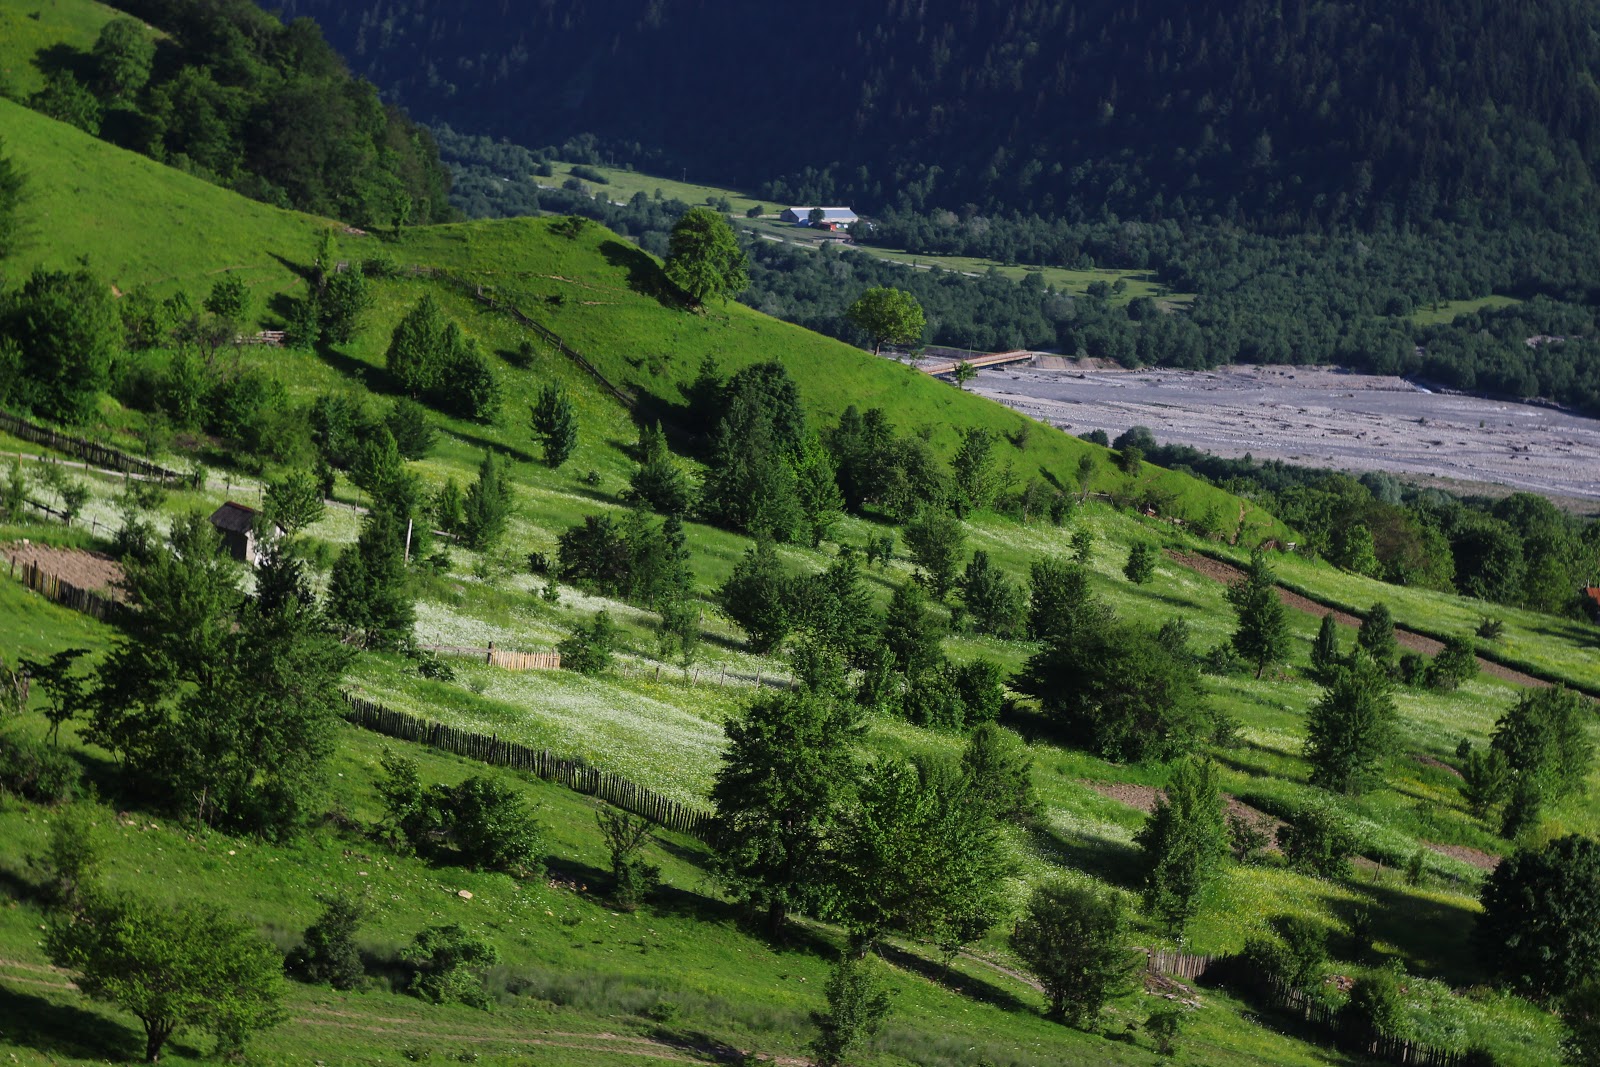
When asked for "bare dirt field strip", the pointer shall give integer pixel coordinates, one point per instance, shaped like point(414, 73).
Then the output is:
point(1412, 642)
point(1317, 416)
point(95, 571)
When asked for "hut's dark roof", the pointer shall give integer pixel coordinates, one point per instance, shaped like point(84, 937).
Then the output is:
point(234, 518)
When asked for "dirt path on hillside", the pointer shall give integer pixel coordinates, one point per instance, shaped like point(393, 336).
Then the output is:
point(1227, 574)
point(614, 1044)
point(1144, 797)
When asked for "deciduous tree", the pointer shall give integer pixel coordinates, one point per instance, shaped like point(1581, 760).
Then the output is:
point(888, 316)
point(1540, 928)
point(172, 968)
point(777, 797)
point(1071, 938)
point(704, 258)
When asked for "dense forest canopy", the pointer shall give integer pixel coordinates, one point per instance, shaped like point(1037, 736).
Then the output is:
point(222, 90)
point(1280, 114)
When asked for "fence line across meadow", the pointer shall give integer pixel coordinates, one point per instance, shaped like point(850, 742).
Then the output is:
point(1317, 1014)
point(96, 454)
point(575, 774)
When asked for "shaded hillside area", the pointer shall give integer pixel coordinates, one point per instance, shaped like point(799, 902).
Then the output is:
point(1277, 114)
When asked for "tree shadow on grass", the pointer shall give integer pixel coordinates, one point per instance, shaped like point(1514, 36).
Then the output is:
point(645, 275)
point(56, 1029)
point(484, 444)
point(1109, 860)
point(1434, 935)
point(304, 271)
point(65, 59)
point(15, 884)
point(956, 981)
point(698, 1043)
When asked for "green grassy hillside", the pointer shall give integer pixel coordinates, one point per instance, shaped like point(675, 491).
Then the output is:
point(26, 27)
point(141, 223)
point(583, 971)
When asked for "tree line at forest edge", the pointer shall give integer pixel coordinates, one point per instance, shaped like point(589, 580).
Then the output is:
point(1345, 298)
point(227, 92)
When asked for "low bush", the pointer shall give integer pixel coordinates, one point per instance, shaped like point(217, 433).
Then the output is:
point(37, 771)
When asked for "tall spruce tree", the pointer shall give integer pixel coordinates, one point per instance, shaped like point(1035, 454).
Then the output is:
point(757, 596)
point(367, 589)
point(555, 424)
point(487, 506)
point(1325, 649)
point(1350, 728)
point(1185, 843)
point(416, 349)
point(1376, 636)
point(1262, 636)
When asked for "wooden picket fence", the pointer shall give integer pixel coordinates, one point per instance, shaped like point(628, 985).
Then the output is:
point(1387, 1048)
point(95, 454)
point(524, 661)
point(573, 773)
point(65, 593)
point(1179, 964)
point(1315, 1013)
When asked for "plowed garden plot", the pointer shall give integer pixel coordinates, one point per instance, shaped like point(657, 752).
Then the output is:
point(94, 571)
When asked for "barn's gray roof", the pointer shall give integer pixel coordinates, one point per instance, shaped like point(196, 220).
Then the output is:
point(234, 518)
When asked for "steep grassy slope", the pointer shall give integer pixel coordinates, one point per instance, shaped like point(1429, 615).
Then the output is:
point(141, 223)
point(667, 733)
point(27, 27)
point(579, 983)
point(610, 301)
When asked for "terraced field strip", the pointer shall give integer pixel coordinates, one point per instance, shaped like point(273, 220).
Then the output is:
point(1227, 574)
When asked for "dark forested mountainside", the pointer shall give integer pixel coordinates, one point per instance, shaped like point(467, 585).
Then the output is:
point(226, 92)
point(1282, 114)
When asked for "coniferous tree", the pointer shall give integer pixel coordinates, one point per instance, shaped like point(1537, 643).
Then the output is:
point(1262, 636)
point(416, 356)
point(1000, 773)
point(1350, 728)
point(817, 486)
point(1185, 841)
point(1376, 635)
point(367, 589)
point(1325, 649)
point(757, 597)
point(487, 505)
point(909, 632)
point(1060, 602)
point(555, 424)
point(936, 539)
point(990, 598)
point(1546, 751)
point(659, 482)
point(1141, 565)
point(973, 468)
